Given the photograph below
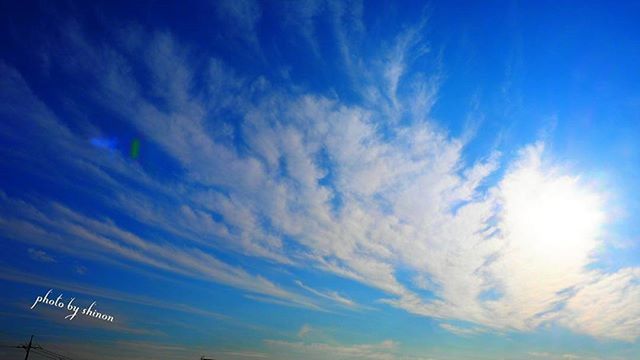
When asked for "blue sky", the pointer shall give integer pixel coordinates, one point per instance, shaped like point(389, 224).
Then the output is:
point(322, 179)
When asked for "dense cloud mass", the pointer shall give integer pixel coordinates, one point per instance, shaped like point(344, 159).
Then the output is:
point(361, 190)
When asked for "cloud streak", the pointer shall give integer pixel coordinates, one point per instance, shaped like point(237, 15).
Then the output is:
point(301, 179)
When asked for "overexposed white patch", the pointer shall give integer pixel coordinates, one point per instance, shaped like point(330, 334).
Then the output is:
point(550, 216)
point(549, 226)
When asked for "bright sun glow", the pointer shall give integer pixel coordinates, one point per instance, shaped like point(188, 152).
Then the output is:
point(551, 218)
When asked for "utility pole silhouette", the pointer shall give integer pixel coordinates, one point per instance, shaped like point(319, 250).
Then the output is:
point(39, 350)
point(29, 347)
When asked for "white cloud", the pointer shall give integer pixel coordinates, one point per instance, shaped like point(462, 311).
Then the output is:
point(330, 295)
point(607, 306)
point(550, 226)
point(304, 330)
point(55, 226)
point(319, 183)
point(81, 269)
point(40, 255)
point(241, 18)
point(462, 331)
point(509, 262)
point(300, 350)
point(551, 356)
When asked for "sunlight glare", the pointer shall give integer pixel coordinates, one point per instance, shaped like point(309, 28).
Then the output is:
point(552, 218)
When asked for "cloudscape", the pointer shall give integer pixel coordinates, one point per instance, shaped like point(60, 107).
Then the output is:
point(319, 180)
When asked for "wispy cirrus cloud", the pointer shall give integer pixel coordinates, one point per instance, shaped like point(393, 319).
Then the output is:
point(330, 295)
point(462, 331)
point(80, 235)
point(292, 350)
point(40, 255)
point(242, 19)
point(305, 179)
point(607, 305)
point(566, 356)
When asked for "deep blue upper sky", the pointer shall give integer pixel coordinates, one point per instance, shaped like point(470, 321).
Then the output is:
point(322, 179)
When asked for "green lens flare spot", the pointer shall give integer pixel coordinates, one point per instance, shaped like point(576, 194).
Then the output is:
point(135, 149)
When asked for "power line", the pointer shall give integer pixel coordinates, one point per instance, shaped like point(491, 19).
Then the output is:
point(44, 354)
point(53, 355)
point(36, 349)
point(28, 347)
point(36, 352)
